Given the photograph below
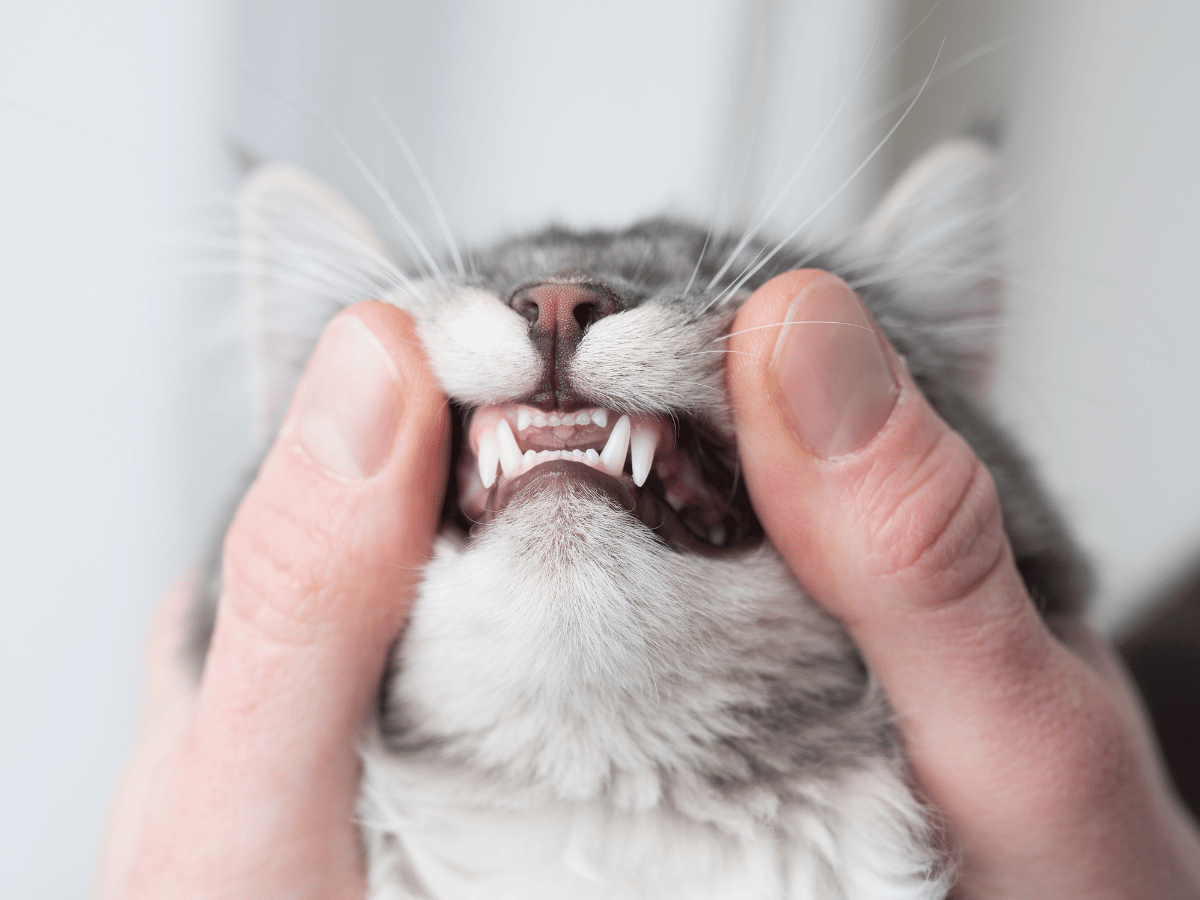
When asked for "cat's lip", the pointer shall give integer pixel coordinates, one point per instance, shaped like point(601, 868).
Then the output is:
point(631, 457)
point(641, 504)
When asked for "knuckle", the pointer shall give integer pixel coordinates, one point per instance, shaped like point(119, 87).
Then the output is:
point(937, 522)
point(277, 572)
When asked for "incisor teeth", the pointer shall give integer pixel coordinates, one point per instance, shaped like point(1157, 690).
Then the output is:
point(642, 444)
point(582, 418)
point(613, 455)
point(524, 418)
point(509, 452)
point(489, 455)
point(600, 417)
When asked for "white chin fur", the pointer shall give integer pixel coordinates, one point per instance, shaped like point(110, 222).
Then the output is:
point(860, 837)
point(573, 701)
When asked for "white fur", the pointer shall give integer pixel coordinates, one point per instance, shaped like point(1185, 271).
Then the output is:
point(861, 837)
point(654, 359)
point(578, 699)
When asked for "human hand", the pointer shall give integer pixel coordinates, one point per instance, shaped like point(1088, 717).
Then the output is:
point(246, 786)
point(1037, 756)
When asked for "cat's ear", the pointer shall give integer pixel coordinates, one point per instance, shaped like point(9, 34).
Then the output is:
point(935, 241)
point(305, 253)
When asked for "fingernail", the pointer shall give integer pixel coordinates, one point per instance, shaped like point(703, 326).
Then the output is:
point(349, 401)
point(831, 374)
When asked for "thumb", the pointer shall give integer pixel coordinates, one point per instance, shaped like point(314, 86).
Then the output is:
point(319, 571)
point(893, 525)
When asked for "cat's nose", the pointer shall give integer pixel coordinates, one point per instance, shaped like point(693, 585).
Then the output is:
point(559, 314)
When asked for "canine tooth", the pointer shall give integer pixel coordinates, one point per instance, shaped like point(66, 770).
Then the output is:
point(489, 455)
point(613, 454)
point(591, 457)
point(524, 417)
point(600, 417)
point(642, 444)
point(582, 418)
point(539, 420)
point(510, 453)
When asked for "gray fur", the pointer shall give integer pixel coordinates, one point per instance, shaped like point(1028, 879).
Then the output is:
point(569, 676)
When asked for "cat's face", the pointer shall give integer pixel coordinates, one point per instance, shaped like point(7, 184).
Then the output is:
point(593, 363)
point(602, 595)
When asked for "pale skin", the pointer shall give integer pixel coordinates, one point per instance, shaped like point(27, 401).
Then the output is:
point(1036, 756)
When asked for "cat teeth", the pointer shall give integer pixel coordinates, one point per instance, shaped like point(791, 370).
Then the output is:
point(508, 452)
point(499, 453)
point(532, 458)
point(642, 444)
point(489, 456)
point(527, 417)
point(612, 457)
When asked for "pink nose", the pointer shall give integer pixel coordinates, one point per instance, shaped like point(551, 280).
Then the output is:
point(559, 314)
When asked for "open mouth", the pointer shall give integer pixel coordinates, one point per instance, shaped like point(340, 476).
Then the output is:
point(672, 476)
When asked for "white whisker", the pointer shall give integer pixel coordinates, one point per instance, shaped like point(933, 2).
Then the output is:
point(753, 269)
point(426, 187)
point(761, 219)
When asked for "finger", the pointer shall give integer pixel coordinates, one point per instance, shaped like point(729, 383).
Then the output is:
point(892, 523)
point(319, 570)
point(166, 712)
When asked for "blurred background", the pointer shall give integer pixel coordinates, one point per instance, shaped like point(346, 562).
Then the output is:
point(125, 126)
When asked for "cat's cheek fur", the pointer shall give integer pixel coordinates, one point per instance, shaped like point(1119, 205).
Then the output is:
point(477, 346)
point(656, 358)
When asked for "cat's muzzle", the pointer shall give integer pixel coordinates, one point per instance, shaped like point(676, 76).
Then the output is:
point(665, 474)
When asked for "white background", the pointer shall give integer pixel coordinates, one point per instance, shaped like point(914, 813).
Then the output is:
point(120, 124)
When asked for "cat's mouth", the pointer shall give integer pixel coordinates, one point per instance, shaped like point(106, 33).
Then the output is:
point(676, 479)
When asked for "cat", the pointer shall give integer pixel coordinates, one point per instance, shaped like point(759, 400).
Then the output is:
point(610, 684)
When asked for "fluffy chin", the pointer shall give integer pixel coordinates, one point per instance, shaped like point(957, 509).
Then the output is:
point(564, 561)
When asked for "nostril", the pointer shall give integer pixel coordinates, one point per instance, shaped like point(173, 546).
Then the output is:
point(588, 314)
point(565, 309)
point(559, 314)
point(527, 308)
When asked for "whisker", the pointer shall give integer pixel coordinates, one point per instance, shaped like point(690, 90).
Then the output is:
point(385, 196)
point(756, 267)
point(700, 258)
point(731, 334)
point(315, 115)
point(423, 181)
point(761, 219)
